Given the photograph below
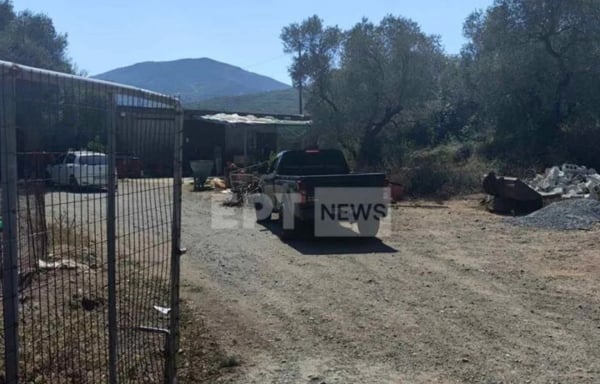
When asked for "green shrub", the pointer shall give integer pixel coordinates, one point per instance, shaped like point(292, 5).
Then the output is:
point(443, 172)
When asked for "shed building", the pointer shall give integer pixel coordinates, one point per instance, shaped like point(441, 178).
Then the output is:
point(242, 138)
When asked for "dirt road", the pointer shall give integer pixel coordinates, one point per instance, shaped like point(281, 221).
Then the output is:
point(454, 295)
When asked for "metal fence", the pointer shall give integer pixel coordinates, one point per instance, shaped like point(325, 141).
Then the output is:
point(91, 198)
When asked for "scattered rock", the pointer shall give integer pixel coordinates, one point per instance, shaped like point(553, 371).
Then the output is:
point(229, 362)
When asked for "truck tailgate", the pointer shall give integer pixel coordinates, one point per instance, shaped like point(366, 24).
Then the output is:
point(351, 180)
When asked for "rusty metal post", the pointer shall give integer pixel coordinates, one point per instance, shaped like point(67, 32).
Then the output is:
point(176, 252)
point(10, 251)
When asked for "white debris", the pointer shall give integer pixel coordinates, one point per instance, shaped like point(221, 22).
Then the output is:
point(61, 264)
point(163, 310)
point(568, 181)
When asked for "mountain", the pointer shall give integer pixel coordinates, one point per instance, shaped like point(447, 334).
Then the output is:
point(193, 79)
point(284, 102)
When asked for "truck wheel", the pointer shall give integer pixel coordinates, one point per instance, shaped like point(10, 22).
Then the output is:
point(368, 228)
point(259, 219)
point(260, 205)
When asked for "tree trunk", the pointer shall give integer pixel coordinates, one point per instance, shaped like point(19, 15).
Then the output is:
point(369, 150)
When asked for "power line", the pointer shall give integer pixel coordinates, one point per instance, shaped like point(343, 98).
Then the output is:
point(265, 61)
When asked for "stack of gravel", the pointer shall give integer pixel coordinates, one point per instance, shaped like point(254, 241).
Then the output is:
point(565, 214)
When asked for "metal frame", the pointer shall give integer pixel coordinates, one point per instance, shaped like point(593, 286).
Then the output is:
point(9, 74)
point(176, 252)
point(111, 234)
point(10, 251)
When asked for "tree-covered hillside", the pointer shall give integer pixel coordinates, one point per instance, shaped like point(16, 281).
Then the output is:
point(279, 102)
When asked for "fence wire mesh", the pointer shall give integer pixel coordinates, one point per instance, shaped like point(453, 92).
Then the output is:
point(90, 197)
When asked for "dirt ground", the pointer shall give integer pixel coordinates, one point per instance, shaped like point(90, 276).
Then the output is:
point(454, 295)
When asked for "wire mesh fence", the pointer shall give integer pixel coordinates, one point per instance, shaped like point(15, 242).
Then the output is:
point(91, 190)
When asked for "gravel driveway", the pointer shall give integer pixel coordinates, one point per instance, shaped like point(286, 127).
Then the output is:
point(454, 295)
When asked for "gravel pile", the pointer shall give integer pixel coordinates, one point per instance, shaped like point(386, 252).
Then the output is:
point(565, 214)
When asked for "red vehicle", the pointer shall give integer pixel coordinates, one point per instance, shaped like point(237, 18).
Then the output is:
point(32, 165)
point(129, 166)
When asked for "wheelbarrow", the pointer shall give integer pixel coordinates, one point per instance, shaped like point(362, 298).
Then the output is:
point(201, 169)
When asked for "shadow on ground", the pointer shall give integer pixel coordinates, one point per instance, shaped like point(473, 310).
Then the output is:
point(305, 242)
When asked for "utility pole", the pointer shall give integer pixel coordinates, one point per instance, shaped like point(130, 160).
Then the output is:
point(300, 96)
point(300, 106)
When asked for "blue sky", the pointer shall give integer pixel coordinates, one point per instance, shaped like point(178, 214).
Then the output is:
point(107, 34)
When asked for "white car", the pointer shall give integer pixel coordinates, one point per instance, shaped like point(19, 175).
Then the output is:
point(80, 169)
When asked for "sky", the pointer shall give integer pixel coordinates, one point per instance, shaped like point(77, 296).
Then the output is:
point(108, 34)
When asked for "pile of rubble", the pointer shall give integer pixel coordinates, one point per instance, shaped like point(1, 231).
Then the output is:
point(567, 181)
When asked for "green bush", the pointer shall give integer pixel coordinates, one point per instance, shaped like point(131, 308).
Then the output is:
point(443, 172)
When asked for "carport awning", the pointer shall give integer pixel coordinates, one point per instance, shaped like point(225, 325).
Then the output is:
point(234, 118)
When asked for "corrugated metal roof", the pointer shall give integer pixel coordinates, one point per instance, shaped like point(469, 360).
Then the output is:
point(53, 77)
point(234, 118)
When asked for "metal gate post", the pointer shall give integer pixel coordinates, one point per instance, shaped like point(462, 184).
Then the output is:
point(10, 251)
point(176, 252)
point(111, 245)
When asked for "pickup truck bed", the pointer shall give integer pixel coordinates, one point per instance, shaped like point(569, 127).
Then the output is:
point(294, 176)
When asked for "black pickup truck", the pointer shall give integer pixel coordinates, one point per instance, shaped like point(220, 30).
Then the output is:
point(289, 187)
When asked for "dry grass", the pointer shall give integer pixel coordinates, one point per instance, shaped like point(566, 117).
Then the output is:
point(64, 312)
point(201, 360)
